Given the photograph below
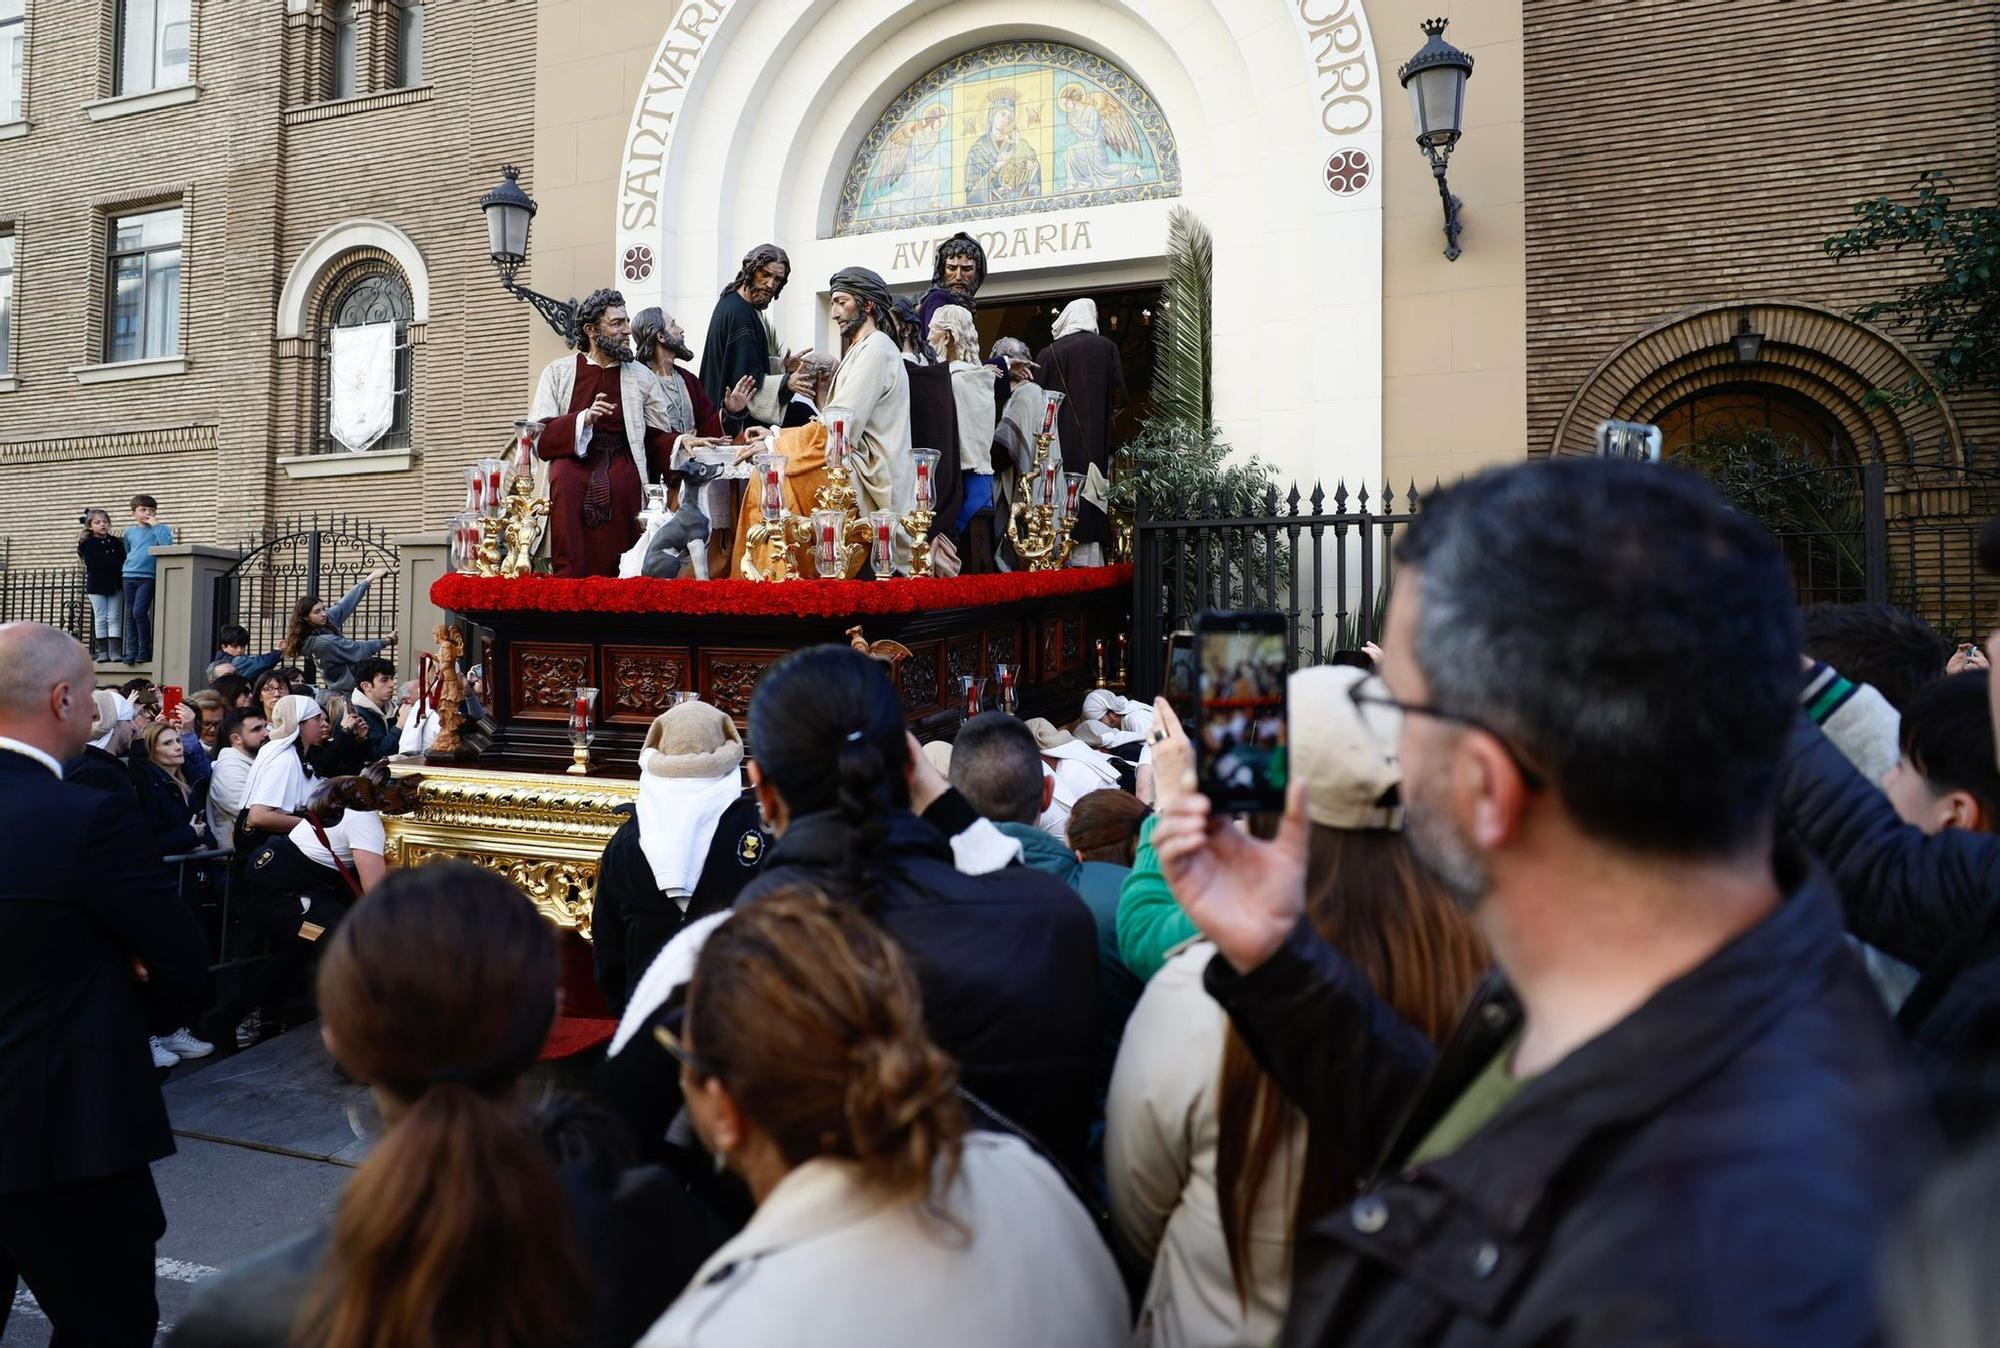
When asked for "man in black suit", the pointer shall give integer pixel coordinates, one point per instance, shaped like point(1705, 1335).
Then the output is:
point(87, 916)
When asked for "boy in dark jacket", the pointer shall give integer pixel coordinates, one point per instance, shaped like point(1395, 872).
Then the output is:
point(233, 649)
point(1677, 1114)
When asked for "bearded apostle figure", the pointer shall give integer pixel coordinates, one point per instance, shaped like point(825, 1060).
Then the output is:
point(741, 342)
point(871, 395)
point(955, 279)
point(606, 432)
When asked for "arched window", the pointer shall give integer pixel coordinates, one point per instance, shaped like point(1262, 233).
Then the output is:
point(1011, 128)
point(371, 290)
point(1730, 409)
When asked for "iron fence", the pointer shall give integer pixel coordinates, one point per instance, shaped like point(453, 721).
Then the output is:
point(323, 556)
point(1329, 571)
point(1899, 527)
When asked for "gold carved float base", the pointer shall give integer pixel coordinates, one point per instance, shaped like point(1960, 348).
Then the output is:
point(544, 831)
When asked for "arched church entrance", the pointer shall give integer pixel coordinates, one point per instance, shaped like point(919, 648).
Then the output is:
point(863, 132)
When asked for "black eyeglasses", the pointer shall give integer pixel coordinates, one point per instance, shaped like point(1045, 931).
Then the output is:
point(1381, 715)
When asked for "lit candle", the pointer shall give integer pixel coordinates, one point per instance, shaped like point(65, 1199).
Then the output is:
point(826, 537)
point(770, 486)
point(1072, 490)
point(1051, 471)
point(493, 491)
point(885, 543)
point(579, 715)
point(926, 460)
point(1049, 413)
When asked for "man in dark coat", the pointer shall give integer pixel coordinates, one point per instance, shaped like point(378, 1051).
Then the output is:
point(741, 344)
point(1085, 367)
point(1677, 1113)
point(90, 930)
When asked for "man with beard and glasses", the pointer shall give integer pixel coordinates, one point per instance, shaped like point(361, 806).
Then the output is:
point(871, 394)
point(741, 342)
point(607, 431)
point(1679, 1114)
point(960, 271)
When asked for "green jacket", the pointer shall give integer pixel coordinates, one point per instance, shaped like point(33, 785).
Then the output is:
point(1151, 925)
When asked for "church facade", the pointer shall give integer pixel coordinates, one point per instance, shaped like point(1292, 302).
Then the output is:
point(181, 238)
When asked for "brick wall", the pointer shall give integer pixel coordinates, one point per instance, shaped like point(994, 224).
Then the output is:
point(263, 167)
point(1699, 153)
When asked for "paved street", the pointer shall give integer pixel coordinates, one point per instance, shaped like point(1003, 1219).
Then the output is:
point(227, 1193)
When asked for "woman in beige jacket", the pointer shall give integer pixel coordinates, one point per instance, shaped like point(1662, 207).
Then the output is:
point(807, 1072)
point(1211, 1172)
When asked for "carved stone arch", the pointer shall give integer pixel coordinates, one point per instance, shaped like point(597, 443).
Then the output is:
point(332, 251)
point(1808, 349)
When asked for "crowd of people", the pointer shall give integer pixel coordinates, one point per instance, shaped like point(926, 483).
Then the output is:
point(1621, 969)
point(627, 410)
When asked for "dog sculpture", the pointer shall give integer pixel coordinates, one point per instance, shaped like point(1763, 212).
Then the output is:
point(683, 538)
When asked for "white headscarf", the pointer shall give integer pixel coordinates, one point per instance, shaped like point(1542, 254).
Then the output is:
point(291, 713)
point(110, 710)
point(1078, 316)
point(688, 775)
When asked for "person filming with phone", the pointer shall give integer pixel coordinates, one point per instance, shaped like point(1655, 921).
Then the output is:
point(1589, 674)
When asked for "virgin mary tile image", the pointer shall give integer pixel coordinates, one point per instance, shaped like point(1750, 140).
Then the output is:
point(1002, 165)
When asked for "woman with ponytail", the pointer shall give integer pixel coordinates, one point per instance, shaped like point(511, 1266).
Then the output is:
point(807, 1072)
point(1007, 960)
point(459, 1230)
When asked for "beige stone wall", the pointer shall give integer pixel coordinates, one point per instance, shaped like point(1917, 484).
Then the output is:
point(263, 166)
point(1454, 349)
point(1656, 185)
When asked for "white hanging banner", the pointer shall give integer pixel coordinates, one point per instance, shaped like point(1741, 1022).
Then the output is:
point(363, 376)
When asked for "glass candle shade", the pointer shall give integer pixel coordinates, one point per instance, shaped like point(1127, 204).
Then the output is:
point(527, 435)
point(1072, 492)
point(836, 446)
point(1003, 676)
point(1047, 476)
point(1051, 405)
point(581, 711)
point(465, 540)
point(475, 490)
point(686, 695)
point(927, 462)
point(972, 689)
point(494, 473)
point(882, 540)
point(770, 469)
point(828, 528)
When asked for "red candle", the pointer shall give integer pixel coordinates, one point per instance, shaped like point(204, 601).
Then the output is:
point(836, 447)
point(493, 483)
point(1048, 417)
point(579, 715)
point(923, 485)
point(829, 550)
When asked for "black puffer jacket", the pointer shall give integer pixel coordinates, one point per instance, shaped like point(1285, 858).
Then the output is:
point(1716, 1168)
point(1932, 902)
point(1007, 963)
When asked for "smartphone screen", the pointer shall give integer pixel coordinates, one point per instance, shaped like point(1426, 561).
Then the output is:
point(1240, 715)
point(170, 701)
point(1179, 686)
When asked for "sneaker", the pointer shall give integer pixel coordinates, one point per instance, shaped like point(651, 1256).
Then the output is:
point(164, 1056)
point(250, 1030)
point(182, 1044)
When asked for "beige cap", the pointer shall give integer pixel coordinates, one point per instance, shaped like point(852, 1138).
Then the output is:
point(692, 739)
point(1047, 735)
point(108, 708)
point(1346, 771)
point(939, 754)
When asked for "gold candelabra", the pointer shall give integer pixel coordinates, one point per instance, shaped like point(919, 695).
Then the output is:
point(778, 549)
point(1040, 533)
point(917, 524)
point(507, 541)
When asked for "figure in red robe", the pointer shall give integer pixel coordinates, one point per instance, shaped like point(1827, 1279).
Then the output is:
point(607, 431)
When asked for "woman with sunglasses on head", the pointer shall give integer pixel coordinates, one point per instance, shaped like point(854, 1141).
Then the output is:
point(880, 1220)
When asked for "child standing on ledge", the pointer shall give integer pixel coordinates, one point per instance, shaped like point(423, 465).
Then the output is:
point(144, 534)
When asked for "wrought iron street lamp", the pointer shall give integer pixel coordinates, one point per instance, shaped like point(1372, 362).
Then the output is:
point(1436, 78)
point(1749, 341)
point(509, 214)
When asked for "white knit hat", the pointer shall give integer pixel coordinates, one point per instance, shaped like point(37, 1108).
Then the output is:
point(1347, 771)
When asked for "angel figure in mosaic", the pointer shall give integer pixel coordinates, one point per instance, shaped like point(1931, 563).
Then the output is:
point(1105, 135)
point(907, 168)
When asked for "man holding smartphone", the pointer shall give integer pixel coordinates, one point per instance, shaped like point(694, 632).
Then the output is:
point(1681, 1115)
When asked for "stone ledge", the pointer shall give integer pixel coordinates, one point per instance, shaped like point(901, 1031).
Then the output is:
point(15, 129)
point(152, 443)
point(343, 107)
point(146, 100)
point(347, 465)
point(118, 371)
point(8, 383)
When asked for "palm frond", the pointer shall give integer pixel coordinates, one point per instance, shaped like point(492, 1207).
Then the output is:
point(1183, 373)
